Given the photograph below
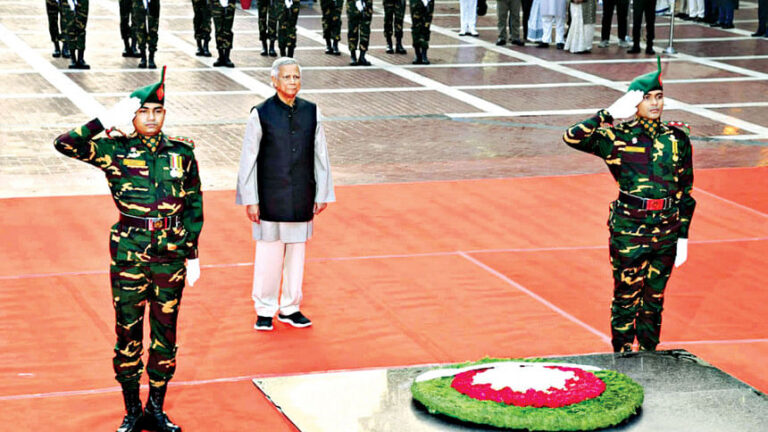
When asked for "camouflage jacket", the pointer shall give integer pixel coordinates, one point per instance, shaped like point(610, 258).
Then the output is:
point(143, 183)
point(648, 162)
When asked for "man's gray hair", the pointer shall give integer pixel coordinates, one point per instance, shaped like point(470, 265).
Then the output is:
point(283, 61)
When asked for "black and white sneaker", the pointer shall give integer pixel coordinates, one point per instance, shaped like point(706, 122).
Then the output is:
point(263, 323)
point(296, 319)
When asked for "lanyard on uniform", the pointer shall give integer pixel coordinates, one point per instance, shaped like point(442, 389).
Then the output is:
point(146, 5)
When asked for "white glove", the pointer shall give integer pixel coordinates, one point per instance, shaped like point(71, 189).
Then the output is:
point(288, 3)
point(224, 3)
point(193, 271)
point(682, 251)
point(121, 113)
point(626, 106)
point(359, 5)
point(71, 4)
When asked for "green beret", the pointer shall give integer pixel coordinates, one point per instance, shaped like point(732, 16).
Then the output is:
point(648, 82)
point(153, 93)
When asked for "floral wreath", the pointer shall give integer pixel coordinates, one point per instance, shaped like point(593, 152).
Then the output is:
point(533, 394)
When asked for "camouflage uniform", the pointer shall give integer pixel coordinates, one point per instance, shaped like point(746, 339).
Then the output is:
point(146, 23)
point(267, 19)
point(394, 13)
point(223, 19)
point(287, 18)
point(421, 20)
point(202, 20)
point(73, 23)
point(147, 266)
point(359, 24)
point(332, 18)
point(53, 9)
point(126, 24)
point(650, 160)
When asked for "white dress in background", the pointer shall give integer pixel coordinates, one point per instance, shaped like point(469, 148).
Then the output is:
point(579, 35)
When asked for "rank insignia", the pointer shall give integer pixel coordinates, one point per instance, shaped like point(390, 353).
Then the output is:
point(176, 165)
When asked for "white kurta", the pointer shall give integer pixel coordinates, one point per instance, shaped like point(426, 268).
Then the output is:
point(248, 191)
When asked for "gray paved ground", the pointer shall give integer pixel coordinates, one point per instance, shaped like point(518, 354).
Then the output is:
point(479, 111)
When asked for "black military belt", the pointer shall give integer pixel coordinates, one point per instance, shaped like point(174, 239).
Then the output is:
point(150, 223)
point(647, 203)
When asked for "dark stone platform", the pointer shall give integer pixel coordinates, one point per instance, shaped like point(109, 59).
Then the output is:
point(682, 393)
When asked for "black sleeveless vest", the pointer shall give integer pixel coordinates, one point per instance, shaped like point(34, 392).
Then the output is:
point(286, 161)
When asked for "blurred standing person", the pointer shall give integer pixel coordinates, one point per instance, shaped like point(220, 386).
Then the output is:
point(287, 16)
point(762, 19)
point(640, 8)
point(146, 25)
point(359, 16)
point(696, 10)
point(468, 17)
point(268, 10)
point(535, 26)
point(332, 24)
point(53, 10)
point(553, 14)
point(202, 24)
point(622, 9)
point(508, 13)
point(582, 29)
point(75, 20)
point(421, 21)
point(394, 14)
point(223, 14)
point(126, 29)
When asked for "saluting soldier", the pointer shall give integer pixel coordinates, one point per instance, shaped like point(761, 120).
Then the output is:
point(267, 26)
point(74, 20)
point(202, 24)
point(359, 16)
point(332, 24)
point(156, 187)
point(394, 14)
point(287, 14)
point(126, 29)
point(421, 20)
point(53, 9)
point(223, 13)
point(650, 220)
point(146, 23)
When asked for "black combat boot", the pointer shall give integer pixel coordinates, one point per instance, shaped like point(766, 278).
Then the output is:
point(399, 46)
point(134, 51)
point(389, 50)
point(56, 50)
point(282, 51)
point(220, 61)
point(227, 61)
point(417, 59)
point(424, 59)
point(272, 52)
point(206, 51)
point(361, 61)
point(289, 52)
point(336, 48)
point(328, 46)
point(143, 58)
point(81, 64)
point(353, 56)
point(151, 63)
point(200, 52)
point(154, 418)
point(73, 59)
point(264, 50)
point(133, 409)
point(65, 50)
point(127, 48)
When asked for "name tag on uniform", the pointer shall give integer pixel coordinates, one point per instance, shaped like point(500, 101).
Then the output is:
point(135, 163)
point(634, 149)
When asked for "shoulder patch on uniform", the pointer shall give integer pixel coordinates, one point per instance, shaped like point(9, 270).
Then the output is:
point(183, 140)
point(682, 126)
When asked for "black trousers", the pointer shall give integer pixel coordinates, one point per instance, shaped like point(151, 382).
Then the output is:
point(622, 7)
point(526, 14)
point(762, 16)
point(647, 8)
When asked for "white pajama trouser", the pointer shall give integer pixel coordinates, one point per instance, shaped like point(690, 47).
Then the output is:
point(468, 18)
point(559, 22)
point(274, 261)
point(696, 8)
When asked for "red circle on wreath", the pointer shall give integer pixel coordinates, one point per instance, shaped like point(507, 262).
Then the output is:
point(581, 386)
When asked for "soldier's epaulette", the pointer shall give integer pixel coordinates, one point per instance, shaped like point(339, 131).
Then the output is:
point(685, 127)
point(182, 140)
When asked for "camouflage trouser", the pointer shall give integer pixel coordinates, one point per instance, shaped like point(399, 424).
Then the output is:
point(73, 23)
point(202, 20)
point(267, 19)
point(287, 18)
point(134, 284)
point(421, 20)
point(332, 18)
point(146, 23)
point(641, 269)
point(54, 15)
point(359, 25)
point(126, 12)
point(394, 13)
point(223, 19)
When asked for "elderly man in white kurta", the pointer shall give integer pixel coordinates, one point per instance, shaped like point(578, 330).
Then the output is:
point(284, 181)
